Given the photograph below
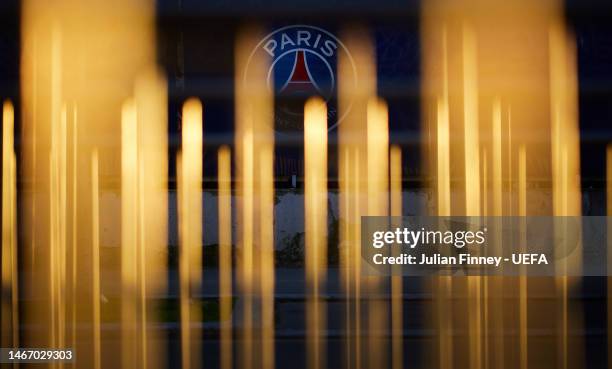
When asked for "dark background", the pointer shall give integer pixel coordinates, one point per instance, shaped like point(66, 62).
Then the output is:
point(196, 47)
point(196, 41)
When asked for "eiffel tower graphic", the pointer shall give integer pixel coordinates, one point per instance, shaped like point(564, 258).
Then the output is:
point(300, 83)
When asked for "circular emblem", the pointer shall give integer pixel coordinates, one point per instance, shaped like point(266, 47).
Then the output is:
point(303, 63)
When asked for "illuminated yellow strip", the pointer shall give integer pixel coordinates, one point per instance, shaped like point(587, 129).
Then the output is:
point(190, 225)
point(192, 186)
point(10, 329)
point(522, 188)
point(254, 147)
point(471, 127)
point(497, 192)
point(266, 242)
point(315, 221)
point(129, 232)
point(397, 296)
point(444, 205)
point(497, 158)
point(95, 253)
point(377, 179)
point(225, 254)
point(444, 283)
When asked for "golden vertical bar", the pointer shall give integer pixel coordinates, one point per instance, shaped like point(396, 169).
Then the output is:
point(141, 260)
point(192, 176)
point(509, 157)
point(471, 128)
point(443, 137)
point(356, 86)
point(378, 157)
point(522, 197)
point(151, 106)
point(522, 178)
point(345, 251)
point(345, 208)
point(247, 250)
point(225, 254)
point(444, 283)
point(397, 294)
point(14, 257)
point(54, 187)
point(472, 179)
point(497, 158)
point(184, 263)
point(263, 123)
point(245, 192)
point(254, 170)
point(10, 317)
point(377, 150)
point(315, 221)
point(356, 267)
point(266, 239)
point(190, 224)
point(485, 186)
point(62, 225)
point(95, 255)
point(497, 211)
point(129, 233)
point(444, 209)
point(485, 282)
point(73, 245)
point(565, 170)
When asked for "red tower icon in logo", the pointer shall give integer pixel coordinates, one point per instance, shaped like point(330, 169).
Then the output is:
point(300, 82)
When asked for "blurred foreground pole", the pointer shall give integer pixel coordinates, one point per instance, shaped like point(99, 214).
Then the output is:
point(9, 323)
point(225, 254)
point(189, 186)
point(356, 86)
point(485, 86)
point(254, 147)
point(315, 227)
point(73, 85)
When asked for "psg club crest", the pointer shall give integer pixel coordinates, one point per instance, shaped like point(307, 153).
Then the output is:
point(303, 63)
